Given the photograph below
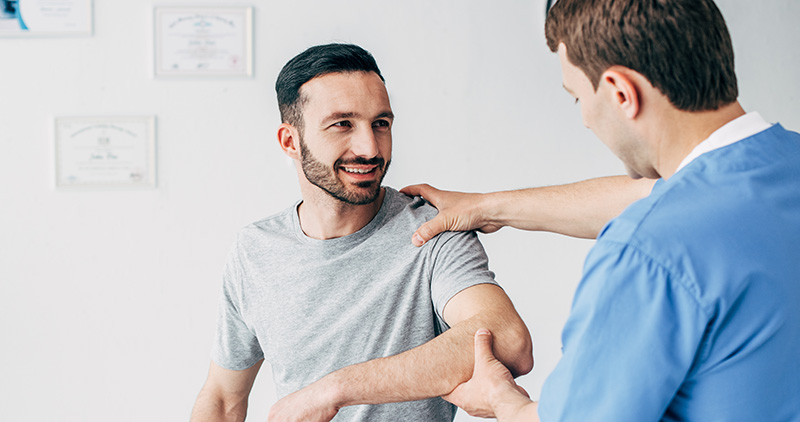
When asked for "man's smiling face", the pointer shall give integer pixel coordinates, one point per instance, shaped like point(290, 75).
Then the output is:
point(346, 139)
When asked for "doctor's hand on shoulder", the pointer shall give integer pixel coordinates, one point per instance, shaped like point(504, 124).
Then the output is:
point(458, 211)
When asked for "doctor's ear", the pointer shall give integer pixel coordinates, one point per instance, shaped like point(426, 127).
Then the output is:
point(289, 139)
point(623, 90)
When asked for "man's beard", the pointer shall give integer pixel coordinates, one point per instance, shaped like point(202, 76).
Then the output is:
point(325, 178)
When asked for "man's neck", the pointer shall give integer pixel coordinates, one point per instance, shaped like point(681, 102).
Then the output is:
point(680, 132)
point(325, 217)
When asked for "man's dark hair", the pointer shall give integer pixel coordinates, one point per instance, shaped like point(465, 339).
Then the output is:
point(681, 46)
point(317, 61)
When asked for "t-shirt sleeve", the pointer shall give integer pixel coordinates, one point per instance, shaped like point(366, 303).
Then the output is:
point(631, 338)
point(236, 346)
point(458, 262)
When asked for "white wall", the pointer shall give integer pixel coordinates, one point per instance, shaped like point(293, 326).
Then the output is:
point(108, 298)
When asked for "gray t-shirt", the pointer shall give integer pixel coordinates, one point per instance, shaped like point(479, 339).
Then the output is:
point(310, 307)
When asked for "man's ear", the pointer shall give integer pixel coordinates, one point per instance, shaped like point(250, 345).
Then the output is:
point(623, 91)
point(289, 139)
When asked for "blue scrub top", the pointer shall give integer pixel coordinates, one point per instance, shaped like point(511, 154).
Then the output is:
point(689, 307)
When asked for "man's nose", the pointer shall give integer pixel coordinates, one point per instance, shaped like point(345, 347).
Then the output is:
point(364, 143)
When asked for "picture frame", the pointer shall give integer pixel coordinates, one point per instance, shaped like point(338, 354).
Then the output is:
point(203, 41)
point(42, 18)
point(94, 152)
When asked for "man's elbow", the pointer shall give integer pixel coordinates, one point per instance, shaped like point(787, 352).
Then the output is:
point(214, 406)
point(519, 346)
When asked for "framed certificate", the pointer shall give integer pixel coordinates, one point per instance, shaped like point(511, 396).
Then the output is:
point(105, 152)
point(21, 18)
point(203, 41)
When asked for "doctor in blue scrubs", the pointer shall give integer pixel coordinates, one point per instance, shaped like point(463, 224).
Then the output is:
point(689, 305)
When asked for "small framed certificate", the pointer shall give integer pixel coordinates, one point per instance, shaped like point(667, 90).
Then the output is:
point(23, 18)
point(105, 152)
point(203, 41)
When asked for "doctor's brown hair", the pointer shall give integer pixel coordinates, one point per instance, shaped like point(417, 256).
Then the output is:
point(681, 46)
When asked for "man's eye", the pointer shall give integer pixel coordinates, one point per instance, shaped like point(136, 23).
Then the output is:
point(343, 123)
point(380, 123)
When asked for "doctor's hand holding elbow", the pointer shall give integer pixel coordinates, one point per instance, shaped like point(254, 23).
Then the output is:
point(492, 392)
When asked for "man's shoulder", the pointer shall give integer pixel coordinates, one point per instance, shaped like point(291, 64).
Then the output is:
point(276, 225)
point(404, 214)
point(409, 210)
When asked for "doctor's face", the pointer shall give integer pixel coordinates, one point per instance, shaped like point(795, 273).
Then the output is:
point(603, 117)
point(346, 141)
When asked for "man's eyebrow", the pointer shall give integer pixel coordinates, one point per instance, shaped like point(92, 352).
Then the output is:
point(340, 115)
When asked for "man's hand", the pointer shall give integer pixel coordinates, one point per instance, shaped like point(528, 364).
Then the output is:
point(314, 403)
point(457, 212)
point(491, 392)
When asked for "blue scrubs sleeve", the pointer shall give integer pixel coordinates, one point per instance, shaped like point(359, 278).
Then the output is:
point(630, 340)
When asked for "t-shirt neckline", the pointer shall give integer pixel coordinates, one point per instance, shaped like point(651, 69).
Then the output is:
point(350, 239)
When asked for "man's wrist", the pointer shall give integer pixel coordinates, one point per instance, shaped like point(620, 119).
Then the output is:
point(332, 390)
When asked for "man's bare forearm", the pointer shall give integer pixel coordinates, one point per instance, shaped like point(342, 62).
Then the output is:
point(578, 209)
point(432, 369)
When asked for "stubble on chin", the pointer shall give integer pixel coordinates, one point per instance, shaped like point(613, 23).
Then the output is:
point(327, 179)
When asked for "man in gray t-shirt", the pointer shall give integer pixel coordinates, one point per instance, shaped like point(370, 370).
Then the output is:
point(356, 322)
